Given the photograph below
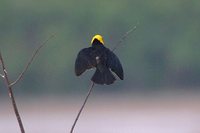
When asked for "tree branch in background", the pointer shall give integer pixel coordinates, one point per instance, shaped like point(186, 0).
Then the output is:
point(10, 85)
point(11, 95)
point(30, 61)
point(79, 113)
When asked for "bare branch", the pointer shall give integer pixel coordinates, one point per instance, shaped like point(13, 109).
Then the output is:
point(124, 37)
point(79, 113)
point(30, 61)
point(11, 95)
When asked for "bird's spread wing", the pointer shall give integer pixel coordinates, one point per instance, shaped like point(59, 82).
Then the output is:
point(114, 64)
point(84, 61)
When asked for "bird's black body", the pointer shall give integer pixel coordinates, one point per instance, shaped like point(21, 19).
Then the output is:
point(103, 59)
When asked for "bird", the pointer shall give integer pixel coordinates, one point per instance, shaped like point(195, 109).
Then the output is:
point(107, 64)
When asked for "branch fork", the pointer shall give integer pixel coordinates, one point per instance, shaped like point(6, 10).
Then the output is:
point(10, 85)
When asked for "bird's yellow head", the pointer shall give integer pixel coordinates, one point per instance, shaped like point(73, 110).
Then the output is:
point(99, 38)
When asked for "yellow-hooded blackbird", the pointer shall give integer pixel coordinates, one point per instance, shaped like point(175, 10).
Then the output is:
point(100, 57)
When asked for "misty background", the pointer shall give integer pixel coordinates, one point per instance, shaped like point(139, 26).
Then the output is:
point(160, 58)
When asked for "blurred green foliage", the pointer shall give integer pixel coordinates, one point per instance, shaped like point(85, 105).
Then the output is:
point(163, 51)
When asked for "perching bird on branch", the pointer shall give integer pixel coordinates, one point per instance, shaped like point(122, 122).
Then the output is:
point(99, 57)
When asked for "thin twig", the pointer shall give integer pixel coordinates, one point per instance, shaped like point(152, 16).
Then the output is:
point(11, 95)
point(30, 61)
point(124, 37)
point(79, 113)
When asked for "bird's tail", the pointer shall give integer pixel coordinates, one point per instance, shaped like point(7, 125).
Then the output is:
point(103, 77)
